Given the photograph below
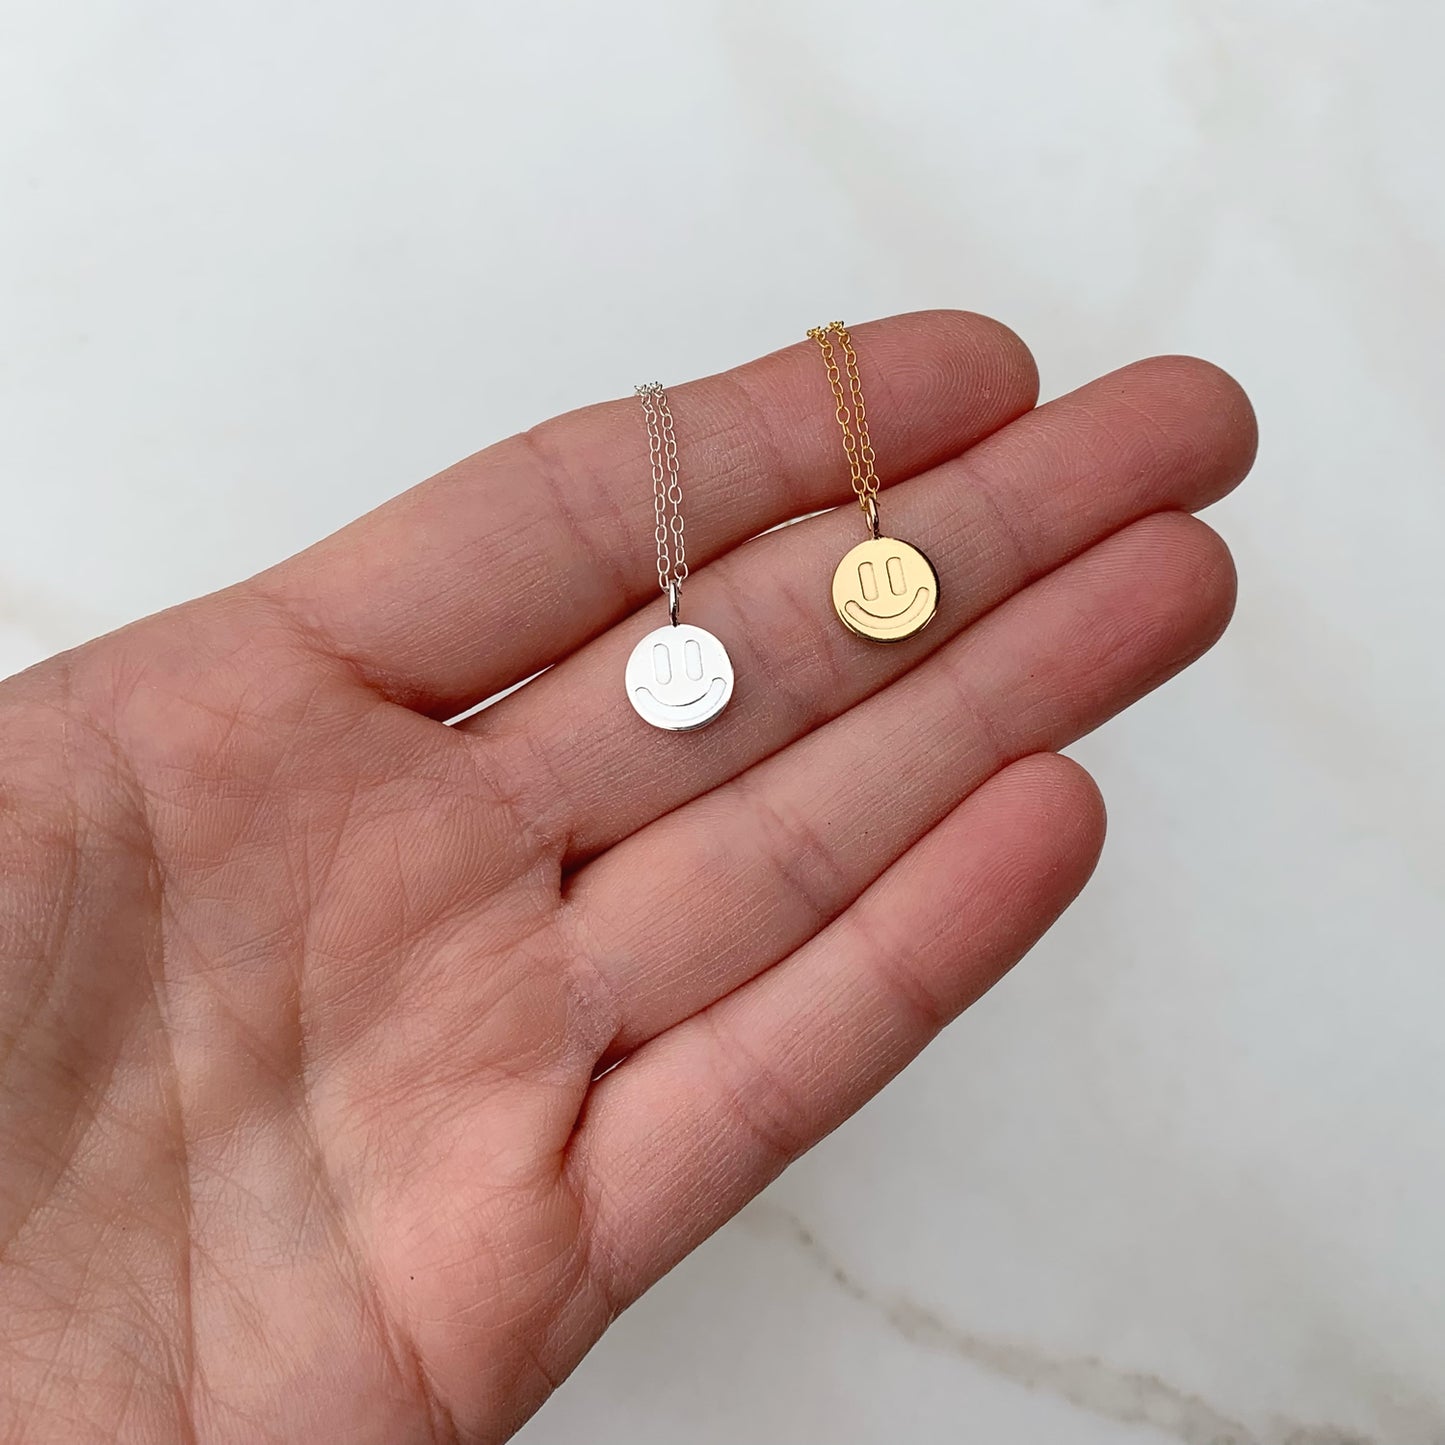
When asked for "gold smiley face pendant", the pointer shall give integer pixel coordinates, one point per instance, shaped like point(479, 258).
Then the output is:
point(885, 590)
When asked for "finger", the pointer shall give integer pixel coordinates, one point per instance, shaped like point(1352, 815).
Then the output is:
point(1167, 434)
point(681, 1135)
point(690, 908)
point(515, 556)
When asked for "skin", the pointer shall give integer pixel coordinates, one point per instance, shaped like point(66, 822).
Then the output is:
point(305, 996)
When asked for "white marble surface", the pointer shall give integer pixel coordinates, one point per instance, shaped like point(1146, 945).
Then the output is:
point(1181, 1178)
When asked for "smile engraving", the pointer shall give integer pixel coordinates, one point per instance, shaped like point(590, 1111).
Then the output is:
point(891, 619)
point(702, 702)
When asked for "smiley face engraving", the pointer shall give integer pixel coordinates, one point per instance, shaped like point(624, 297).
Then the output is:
point(885, 590)
point(679, 678)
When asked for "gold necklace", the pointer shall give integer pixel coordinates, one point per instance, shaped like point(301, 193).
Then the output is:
point(883, 589)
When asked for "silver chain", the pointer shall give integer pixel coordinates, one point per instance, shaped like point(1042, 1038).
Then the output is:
point(666, 492)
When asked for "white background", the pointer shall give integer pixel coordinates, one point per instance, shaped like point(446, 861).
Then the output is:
point(1182, 1177)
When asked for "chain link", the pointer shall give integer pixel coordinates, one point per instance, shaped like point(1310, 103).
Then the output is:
point(666, 489)
point(852, 416)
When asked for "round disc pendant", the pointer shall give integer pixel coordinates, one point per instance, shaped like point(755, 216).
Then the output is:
point(885, 590)
point(679, 678)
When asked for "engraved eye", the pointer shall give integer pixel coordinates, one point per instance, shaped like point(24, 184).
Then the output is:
point(692, 659)
point(662, 664)
point(895, 575)
point(868, 581)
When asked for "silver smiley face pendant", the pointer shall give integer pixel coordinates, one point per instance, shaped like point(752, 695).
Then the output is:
point(679, 677)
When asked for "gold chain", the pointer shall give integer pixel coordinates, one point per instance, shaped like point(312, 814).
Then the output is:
point(851, 414)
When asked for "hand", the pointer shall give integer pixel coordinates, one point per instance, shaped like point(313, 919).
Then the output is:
point(309, 1004)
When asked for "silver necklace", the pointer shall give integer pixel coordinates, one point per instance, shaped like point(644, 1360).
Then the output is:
point(679, 677)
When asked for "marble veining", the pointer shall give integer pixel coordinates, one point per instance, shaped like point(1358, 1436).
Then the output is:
point(1129, 1397)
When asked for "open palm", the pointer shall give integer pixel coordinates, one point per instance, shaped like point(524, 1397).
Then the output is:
point(310, 1004)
